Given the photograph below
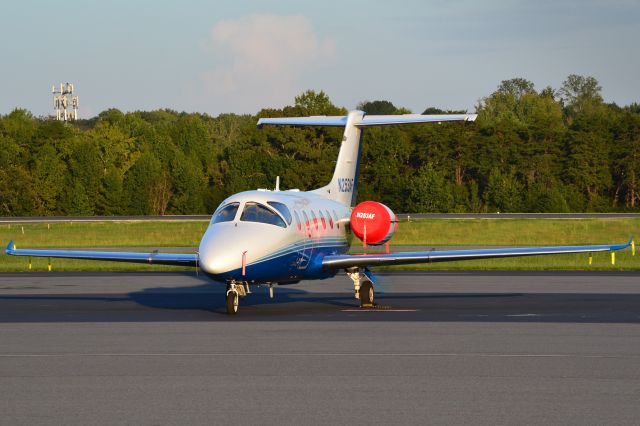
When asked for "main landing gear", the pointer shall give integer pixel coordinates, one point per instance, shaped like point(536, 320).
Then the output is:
point(367, 294)
point(363, 287)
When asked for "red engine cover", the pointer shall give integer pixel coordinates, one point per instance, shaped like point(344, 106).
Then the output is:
point(372, 222)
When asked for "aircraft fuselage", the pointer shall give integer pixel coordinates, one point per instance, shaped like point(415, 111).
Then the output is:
point(279, 236)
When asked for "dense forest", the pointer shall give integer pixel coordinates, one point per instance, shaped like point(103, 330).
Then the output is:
point(563, 150)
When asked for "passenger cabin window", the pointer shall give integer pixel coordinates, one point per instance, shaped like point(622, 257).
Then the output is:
point(254, 212)
point(226, 213)
point(298, 220)
point(330, 219)
point(284, 210)
point(307, 225)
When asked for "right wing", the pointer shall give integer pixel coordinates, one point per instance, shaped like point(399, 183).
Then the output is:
point(153, 258)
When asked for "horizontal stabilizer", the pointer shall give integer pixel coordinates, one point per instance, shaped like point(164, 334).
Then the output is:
point(320, 120)
point(366, 120)
point(343, 186)
point(382, 120)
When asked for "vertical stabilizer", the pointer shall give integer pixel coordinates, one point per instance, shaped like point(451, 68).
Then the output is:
point(343, 187)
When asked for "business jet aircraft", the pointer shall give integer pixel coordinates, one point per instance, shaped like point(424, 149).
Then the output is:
point(282, 237)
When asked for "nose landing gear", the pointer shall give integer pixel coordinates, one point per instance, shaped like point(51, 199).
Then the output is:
point(235, 291)
point(233, 301)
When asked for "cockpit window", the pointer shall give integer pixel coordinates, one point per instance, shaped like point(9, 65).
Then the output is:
point(226, 213)
point(284, 210)
point(254, 212)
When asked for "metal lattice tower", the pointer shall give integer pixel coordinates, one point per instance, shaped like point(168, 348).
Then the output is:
point(64, 110)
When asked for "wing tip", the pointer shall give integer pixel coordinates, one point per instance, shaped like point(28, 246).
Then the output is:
point(11, 247)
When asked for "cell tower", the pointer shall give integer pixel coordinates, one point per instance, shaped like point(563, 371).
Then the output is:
point(61, 102)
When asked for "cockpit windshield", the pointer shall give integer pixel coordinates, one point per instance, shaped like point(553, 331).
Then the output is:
point(226, 213)
point(284, 210)
point(254, 212)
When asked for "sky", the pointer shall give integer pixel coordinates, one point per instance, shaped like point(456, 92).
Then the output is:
point(241, 56)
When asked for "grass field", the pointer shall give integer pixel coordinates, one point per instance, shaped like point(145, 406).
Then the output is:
point(428, 232)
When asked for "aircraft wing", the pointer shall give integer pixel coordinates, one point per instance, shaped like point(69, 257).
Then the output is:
point(405, 258)
point(154, 258)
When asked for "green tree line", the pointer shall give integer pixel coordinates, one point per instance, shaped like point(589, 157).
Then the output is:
point(563, 150)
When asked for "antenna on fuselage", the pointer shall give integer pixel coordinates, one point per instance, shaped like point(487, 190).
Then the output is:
point(277, 183)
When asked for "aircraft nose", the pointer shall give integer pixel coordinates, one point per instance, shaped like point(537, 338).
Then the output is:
point(218, 251)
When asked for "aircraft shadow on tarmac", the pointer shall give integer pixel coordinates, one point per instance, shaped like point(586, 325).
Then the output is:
point(206, 302)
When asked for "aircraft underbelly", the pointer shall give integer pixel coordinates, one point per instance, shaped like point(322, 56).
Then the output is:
point(286, 266)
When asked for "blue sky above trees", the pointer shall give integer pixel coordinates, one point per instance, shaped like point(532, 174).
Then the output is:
point(240, 56)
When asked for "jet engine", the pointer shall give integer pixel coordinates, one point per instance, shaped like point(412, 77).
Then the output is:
point(373, 222)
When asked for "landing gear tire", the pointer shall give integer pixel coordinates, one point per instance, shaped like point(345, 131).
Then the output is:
point(367, 295)
point(233, 302)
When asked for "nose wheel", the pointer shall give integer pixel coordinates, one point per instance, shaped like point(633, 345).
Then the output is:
point(235, 290)
point(233, 302)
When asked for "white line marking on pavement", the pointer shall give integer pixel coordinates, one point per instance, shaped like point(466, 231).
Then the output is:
point(321, 354)
point(379, 310)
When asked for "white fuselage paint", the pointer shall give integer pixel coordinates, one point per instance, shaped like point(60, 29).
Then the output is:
point(276, 254)
point(319, 227)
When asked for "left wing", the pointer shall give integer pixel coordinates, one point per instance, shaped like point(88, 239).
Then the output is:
point(405, 258)
point(155, 258)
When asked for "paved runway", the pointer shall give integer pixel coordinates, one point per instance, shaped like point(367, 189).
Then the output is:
point(442, 348)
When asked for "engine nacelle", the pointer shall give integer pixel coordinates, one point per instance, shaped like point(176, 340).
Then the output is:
point(373, 223)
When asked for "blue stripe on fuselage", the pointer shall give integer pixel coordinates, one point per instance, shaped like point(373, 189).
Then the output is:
point(284, 267)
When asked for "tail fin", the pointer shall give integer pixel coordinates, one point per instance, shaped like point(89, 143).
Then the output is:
point(343, 187)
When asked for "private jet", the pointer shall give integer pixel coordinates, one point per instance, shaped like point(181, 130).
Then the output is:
point(277, 237)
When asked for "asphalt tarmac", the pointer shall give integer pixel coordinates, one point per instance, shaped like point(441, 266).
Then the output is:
point(440, 348)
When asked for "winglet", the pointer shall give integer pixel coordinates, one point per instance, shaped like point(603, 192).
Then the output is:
point(11, 247)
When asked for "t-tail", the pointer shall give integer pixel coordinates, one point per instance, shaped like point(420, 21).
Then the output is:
point(344, 183)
